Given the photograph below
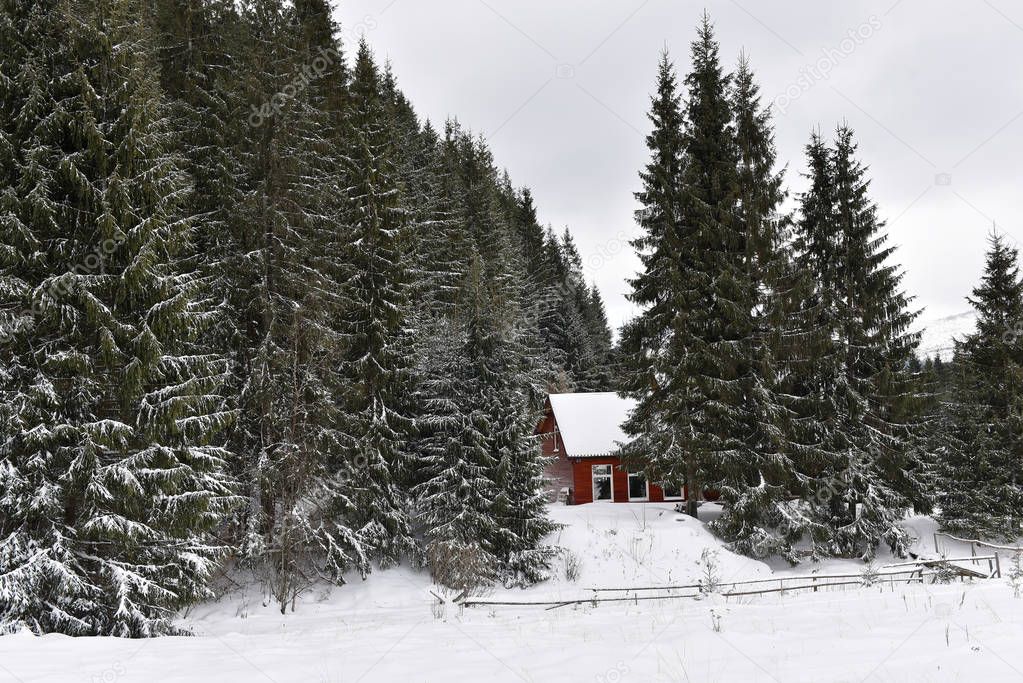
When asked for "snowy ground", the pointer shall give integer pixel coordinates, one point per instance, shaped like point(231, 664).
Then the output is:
point(386, 629)
point(938, 334)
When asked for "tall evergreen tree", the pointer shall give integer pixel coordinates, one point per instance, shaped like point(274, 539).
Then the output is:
point(758, 484)
point(499, 336)
point(860, 389)
point(291, 431)
point(483, 493)
point(543, 284)
point(979, 467)
point(570, 298)
point(814, 378)
point(457, 466)
point(879, 386)
point(699, 314)
point(644, 338)
point(377, 360)
point(112, 475)
point(602, 375)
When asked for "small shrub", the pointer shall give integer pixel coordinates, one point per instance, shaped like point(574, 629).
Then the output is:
point(715, 621)
point(869, 576)
point(711, 579)
point(462, 567)
point(1016, 573)
point(945, 573)
point(573, 565)
point(526, 567)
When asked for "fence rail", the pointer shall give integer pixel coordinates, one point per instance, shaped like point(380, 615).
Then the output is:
point(919, 571)
point(775, 579)
point(974, 543)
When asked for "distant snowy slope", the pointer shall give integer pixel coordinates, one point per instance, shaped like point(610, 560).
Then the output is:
point(938, 333)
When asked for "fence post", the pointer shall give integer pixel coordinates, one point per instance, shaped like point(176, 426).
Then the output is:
point(998, 565)
point(936, 543)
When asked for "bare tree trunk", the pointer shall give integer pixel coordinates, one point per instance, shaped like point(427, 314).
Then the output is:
point(692, 488)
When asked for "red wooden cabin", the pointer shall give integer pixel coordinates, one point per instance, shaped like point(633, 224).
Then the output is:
point(582, 434)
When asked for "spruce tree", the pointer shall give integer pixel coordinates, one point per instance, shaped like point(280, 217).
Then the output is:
point(760, 482)
point(643, 339)
point(699, 307)
point(812, 383)
point(549, 306)
point(980, 476)
point(540, 285)
point(111, 464)
point(457, 467)
point(877, 387)
point(602, 374)
point(576, 351)
point(714, 346)
point(377, 362)
point(483, 495)
point(291, 429)
point(859, 414)
point(500, 338)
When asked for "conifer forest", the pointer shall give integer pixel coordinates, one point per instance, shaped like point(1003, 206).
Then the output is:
point(262, 322)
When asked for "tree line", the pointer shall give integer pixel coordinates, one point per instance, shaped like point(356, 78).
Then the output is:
point(258, 315)
point(773, 359)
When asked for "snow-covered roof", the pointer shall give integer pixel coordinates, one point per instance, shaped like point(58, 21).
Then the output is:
point(591, 424)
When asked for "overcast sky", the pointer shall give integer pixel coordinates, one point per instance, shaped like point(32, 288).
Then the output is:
point(561, 89)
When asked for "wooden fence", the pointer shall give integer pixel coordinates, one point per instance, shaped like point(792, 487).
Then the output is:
point(915, 572)
point(974, 544)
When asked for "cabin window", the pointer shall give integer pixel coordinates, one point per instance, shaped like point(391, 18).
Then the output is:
point(672, 491)
point(639, 489)
point(602, 486)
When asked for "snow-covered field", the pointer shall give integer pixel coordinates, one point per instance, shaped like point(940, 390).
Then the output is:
point(389, 628)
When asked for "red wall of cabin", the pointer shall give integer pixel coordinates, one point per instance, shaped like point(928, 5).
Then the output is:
point(583, 481)
point(559, 468)
point(583, 486)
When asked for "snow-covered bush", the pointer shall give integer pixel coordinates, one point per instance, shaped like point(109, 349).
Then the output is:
point(869, 576)
point(945, 573)
point(463, 567)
